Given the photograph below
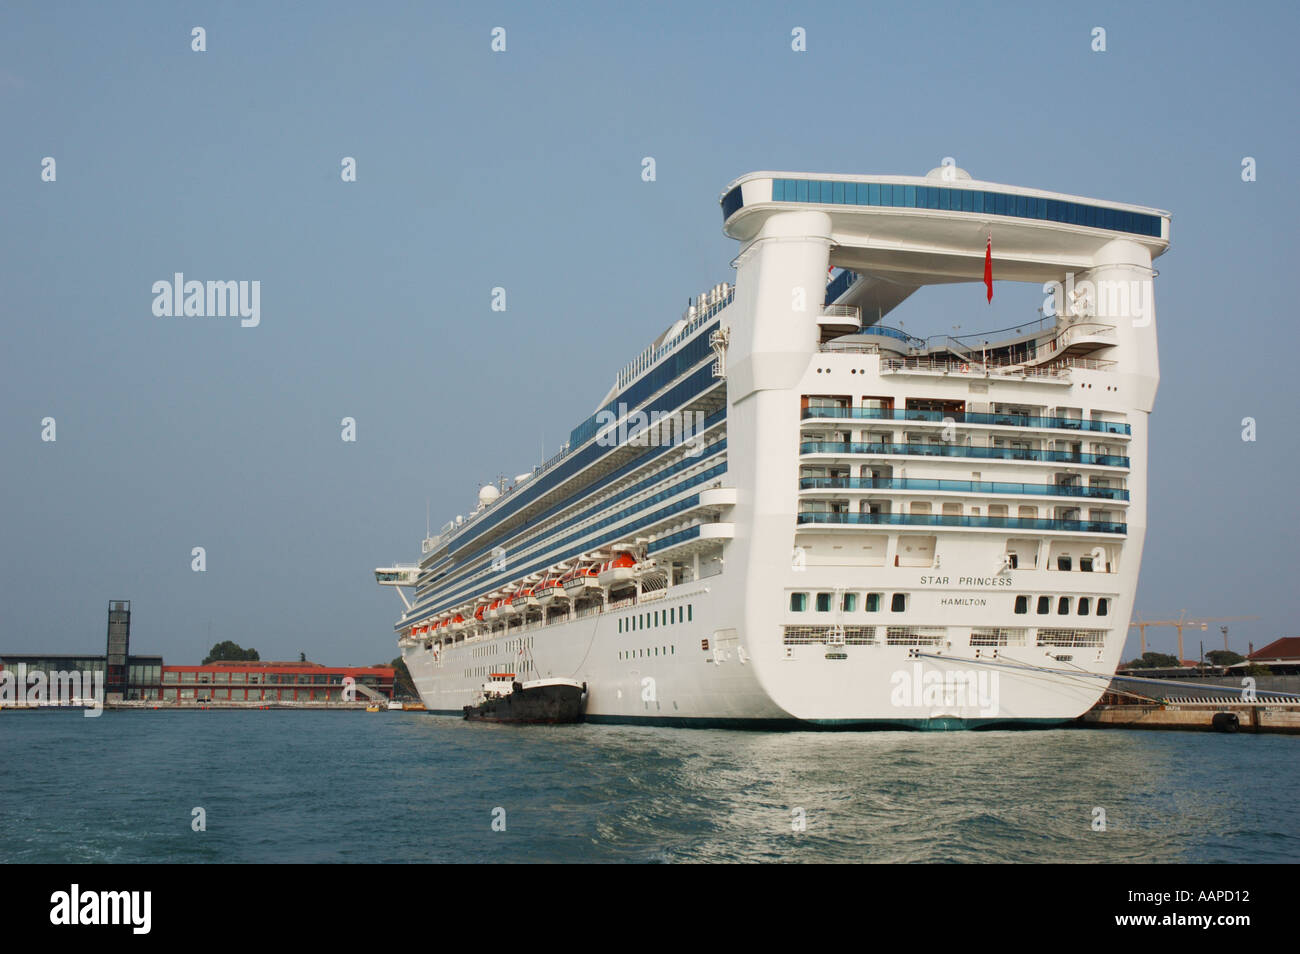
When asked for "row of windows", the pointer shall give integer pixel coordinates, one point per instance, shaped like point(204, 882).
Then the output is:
point(1084, 606)
point(824, 603)
point(647, 653)
point(538, 531)
point(470, 577)
point(886, 195)
point(270, 678)
point(653, 618)
point(674, 366)
point(980, 636)
point(848, 602)
point(698, 382)
point(246, 695)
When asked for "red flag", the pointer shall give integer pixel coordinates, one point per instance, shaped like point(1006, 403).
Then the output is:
point(988, 267)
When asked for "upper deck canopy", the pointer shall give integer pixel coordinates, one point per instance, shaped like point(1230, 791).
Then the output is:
point(922, 230)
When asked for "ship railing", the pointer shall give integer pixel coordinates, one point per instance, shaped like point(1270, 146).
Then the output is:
point(954, 520)
point(961, 486)
point(999, 419)
point(962, 450)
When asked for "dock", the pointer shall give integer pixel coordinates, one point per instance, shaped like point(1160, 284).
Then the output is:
point(1199, 712)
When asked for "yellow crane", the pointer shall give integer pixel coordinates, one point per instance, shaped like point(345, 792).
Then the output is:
point(1183, 622)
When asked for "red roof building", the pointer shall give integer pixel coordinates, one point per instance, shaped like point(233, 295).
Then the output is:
point(1284, 650)
point(268, 682)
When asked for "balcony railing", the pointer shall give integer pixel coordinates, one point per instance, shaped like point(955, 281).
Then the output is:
point(968, 417)
point(896, 333)
point(957, 450)
point(663, 543)
point(952, 520)
point(959, 486)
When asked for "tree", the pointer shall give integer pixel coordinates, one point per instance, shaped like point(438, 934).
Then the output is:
point(1154, 661)
point(227, 651)
point(1223, 657)
point(403, 684)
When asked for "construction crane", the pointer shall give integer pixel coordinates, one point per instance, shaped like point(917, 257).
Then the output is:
point(1183, 622)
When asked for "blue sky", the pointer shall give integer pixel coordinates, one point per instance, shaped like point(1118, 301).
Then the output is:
point(522, 169)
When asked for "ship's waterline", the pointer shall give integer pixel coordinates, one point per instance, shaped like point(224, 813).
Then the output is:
point(865, 529)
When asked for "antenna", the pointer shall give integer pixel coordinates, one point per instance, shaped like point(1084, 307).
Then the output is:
point(426, 516)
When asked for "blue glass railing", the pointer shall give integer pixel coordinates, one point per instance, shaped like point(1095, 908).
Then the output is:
point(690, 533)
point(956, 450)
point(898, 333)
point(951, 520)
point(959, 486)
point(839, 285)
point(968, 417)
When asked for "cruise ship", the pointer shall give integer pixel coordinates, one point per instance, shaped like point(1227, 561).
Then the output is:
point(788, 512)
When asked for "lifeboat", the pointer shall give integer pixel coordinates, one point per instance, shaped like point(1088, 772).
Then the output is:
point(493, 610)
point(549, 589)
point(526, 597)
point(579, 580)
point(457, 623)
point(508, 607)
point(621, 569)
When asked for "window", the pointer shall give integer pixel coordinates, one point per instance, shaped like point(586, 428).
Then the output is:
point(1044, 605)
point(849, 603)
point(1063, 606)
point(798, 602)
point(873, 603)
point(1013, 561)
point(1103, 606)
point(1022, 604)
point(690, 611)
point(1085, 564)
point(823, 602)
point(1063, 562)
point(899, 603)
point(1085, 604)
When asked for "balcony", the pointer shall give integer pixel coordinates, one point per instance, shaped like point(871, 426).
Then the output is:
point(952, 520)
point(968, 417)
point(959, 486)
point(842, 448)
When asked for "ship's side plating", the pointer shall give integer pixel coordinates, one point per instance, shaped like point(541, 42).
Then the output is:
point(862, 529)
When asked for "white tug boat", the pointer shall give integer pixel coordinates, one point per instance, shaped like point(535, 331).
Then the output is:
point(788, 512)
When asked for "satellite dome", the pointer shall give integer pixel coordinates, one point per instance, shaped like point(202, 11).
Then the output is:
point(487, 494)
point(947, 173)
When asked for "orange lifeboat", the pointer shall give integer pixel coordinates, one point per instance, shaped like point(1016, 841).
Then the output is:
point(549, 589)
point(618, 570)
point(579, 580)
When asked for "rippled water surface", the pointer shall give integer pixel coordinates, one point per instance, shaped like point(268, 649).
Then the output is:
point(410, 787)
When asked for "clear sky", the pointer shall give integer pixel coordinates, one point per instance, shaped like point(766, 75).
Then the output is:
point(522, 169)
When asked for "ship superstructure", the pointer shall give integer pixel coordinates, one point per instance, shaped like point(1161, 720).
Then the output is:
point(787, 511)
